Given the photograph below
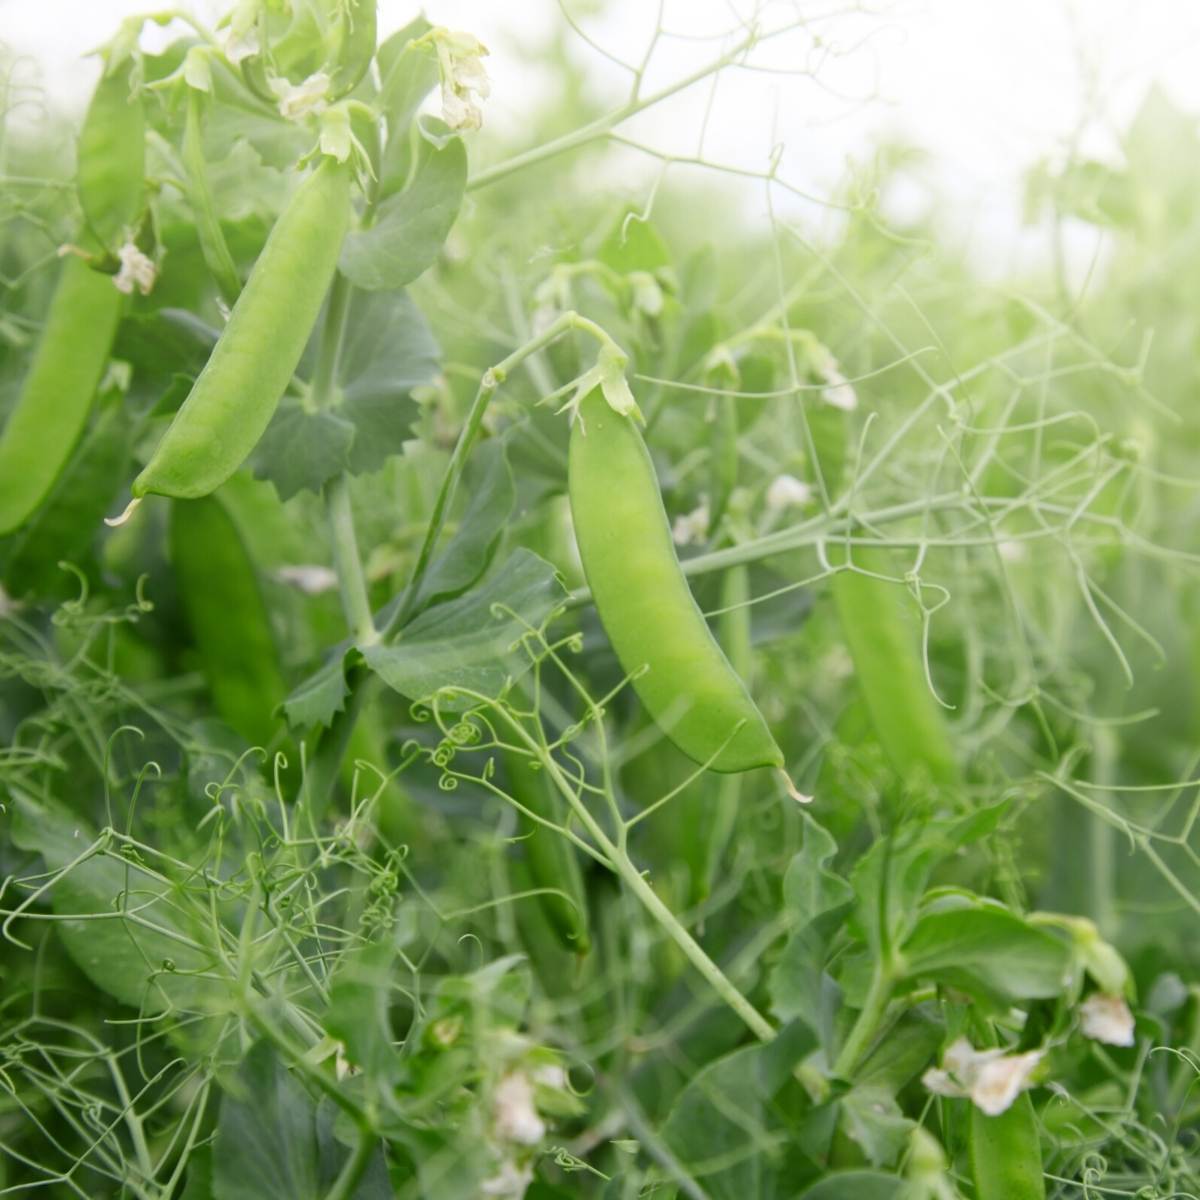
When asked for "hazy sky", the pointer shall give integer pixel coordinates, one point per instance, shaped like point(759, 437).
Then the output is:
point(987, 86)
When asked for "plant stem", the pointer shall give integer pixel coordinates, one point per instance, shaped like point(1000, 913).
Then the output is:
point(878, 995)
point(348, 1178)
point(351, 578)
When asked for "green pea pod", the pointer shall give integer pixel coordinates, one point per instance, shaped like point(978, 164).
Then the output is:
point(56, 397)
point(551, 859)
point(355, 37)
point(657, 630)
point(724, 463)
point(213, 246)
point(235, 396)
point(710, 816)
point(1006, 1158)
point(884, 639)
point(112, 159)
point(224, 605)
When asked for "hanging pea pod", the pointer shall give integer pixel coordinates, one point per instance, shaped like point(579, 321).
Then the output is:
point(656, 628)
point(884, 638)
point(710, 814)
point(56, 397)
point(1005, 1154)
point(236, 394)
point(112, 159)
point(213, 246)
point(224, 605)
point(355, 36)
point(551, 859)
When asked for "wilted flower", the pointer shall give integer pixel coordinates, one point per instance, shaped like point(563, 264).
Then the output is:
point(237, 44)
point(691, 527)
point(1107, 1019)
point(990, 1078)
point(464, 81)
point(514, 1114)
point(136, 271)
point(787, 490)
point(298, 99)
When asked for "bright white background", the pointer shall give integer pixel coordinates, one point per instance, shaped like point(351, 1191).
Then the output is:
point(988, 87)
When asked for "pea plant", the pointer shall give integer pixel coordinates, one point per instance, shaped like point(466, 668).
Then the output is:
point(521, 677)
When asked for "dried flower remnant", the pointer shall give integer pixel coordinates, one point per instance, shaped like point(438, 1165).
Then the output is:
point(691, 528)
point(787, 491)
point(137, 270)
point(464, 81)
point(297, 100)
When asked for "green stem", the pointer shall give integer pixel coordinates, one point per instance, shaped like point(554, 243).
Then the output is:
point(352, 1172)
point(878, 995)
point(603, 126)
point(352, 580)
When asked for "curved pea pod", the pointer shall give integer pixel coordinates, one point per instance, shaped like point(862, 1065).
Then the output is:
point(112, 159)
point(656, 628)
point(235, 396)
point(56, 397)
point(213, 246)
point(224, 606)
point(710, 815)
point(1005, 1154)
point(355, 37)
point(551, 859)
point(884, 638)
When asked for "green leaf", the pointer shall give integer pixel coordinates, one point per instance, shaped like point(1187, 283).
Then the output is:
point(266, 1142)
point(809, 887)
point(121, 925)
point(987, 949)
point(872, 1118)
point(634, 244)
point(407, 75)
point(358, 1009)
point(489, 484)
point(323, 694)
point(472, 642)
point(303, 450)
point(411, 226)
point(856, 1185)
point(910, 1045)
point(722, 1125)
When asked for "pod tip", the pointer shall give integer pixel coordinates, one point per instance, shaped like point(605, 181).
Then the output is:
point(792, 790)
point(113, 522)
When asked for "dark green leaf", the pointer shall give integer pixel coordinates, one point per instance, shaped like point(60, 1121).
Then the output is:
point(303, 450)
point(809, 887)
point(472, 642)
point(872, 1118)
point(856, 1185)
point(411, 226)
point(319, 697)
point(358, 1009)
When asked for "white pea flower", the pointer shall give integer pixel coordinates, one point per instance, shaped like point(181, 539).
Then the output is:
point(1012, 552)
point(298, 99)
point(786, 491)
point(510, 1182)
point(551, 1075)
point(464, 81)
point(1106, 1019)
point(990, 1078)
point(309, 578)
point(197, 70)
point(238, 44)
point(514, 1115)
point(838, 390)
point(136, 271)
point(691, 527)
point(647, 294)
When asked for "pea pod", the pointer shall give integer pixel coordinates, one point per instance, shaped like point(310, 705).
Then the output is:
point(224, 606)
point(56, 397)
point(656, 628)
point(1006, 1159)
point(712, 815)
point(884, 639)
point(235, 396)
point(213, 246)
point(551, 859)
point(112, 159)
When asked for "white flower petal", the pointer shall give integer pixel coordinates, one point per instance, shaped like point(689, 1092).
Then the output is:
point(998, 1083)
point(310, 578)
point(1107, 1019)
point(691, 527)
point(514, 1116)
point(136, 271)
point(787, 490)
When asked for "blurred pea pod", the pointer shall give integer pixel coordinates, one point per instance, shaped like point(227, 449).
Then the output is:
point(550, 857)
point(112, 158)
point(884, 638)
point(1005, 1154)
point(223, 601)
point(213, 246)
point(710, 812)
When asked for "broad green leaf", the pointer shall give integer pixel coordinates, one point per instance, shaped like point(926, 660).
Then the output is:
point(489, 484)
point(872, 1118)
point(810, 888)
point(322, 695)
point(856, 1185)
point(634, 245)
point(407, 74)
point(411, 226)
point(902, 1053)
point(472, 642)
point(358, 1009)
point(987, 949)
point(165, 343)
point(122, 926)
point(303, 450)
point(723, 1126)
